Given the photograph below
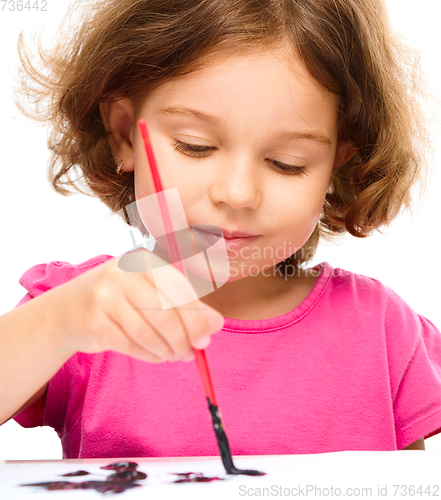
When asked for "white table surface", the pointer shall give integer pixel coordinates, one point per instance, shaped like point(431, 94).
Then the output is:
point(385, 474)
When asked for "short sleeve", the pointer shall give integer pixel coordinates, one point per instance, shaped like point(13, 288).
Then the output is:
point(417, 403)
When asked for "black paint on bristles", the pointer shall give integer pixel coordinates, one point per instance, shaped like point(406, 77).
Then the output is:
point(224, 447)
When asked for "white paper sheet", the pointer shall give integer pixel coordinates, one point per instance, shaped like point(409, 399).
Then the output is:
point(288, 476)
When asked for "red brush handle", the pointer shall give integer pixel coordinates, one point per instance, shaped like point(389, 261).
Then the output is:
point(175, 253)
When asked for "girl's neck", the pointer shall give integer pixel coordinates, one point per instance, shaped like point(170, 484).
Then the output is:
point(261, 297)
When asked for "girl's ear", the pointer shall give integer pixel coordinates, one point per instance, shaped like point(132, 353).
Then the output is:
point(118, 119)
point(345, 152)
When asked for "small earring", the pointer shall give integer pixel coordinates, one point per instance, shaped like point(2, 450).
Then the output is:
point(118, 169)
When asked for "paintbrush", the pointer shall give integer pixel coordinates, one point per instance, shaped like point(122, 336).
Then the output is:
point(200, 356)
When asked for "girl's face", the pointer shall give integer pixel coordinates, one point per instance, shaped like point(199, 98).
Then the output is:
point(250, 141)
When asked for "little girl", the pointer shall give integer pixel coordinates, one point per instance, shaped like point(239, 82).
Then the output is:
point(280, 122)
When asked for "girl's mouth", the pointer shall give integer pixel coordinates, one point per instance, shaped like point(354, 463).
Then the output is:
point(209, 235)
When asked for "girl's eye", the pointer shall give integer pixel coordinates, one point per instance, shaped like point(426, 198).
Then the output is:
point(200, 151)
point(192, 149)
point(289, 169)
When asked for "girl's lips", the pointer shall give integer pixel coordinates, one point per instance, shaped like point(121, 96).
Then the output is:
point(232, 244)
point(235, 244)
point(219, 231)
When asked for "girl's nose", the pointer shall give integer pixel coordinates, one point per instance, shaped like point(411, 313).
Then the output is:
point(238, 184)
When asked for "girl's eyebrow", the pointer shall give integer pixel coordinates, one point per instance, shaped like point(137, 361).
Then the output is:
point(177, 110)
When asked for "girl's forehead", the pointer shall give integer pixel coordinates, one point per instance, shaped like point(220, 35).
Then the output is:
point(268, 81)
point(264, 67)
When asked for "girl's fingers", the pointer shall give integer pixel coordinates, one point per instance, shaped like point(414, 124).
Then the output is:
point(145, 335)
point(128, 345)
point(165, 322)
point(193, 322)
point(153, 324)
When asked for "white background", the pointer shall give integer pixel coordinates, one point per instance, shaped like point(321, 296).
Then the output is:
point(38, 225)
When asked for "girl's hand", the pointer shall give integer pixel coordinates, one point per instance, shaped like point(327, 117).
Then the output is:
point(107, 308)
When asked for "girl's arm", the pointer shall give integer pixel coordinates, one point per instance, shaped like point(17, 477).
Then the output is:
point(33, 399)
point(100, 310)
point(417, 445)
point(30, 354)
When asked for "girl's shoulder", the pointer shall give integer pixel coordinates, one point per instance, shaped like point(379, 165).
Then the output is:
point(363, 288)
point(42, 277)
point(369, 300)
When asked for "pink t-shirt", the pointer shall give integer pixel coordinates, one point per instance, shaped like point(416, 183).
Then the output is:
point(353, 367)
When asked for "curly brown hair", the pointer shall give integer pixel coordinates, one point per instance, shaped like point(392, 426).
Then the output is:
point(125, 48)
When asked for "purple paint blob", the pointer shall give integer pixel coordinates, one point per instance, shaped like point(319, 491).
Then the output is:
point(120, 466)
point(126, 476)
point(118, 482)
point(76, 473)
point(194, 477)
point(100, 486)
point(54, 485)
point(107, 486)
